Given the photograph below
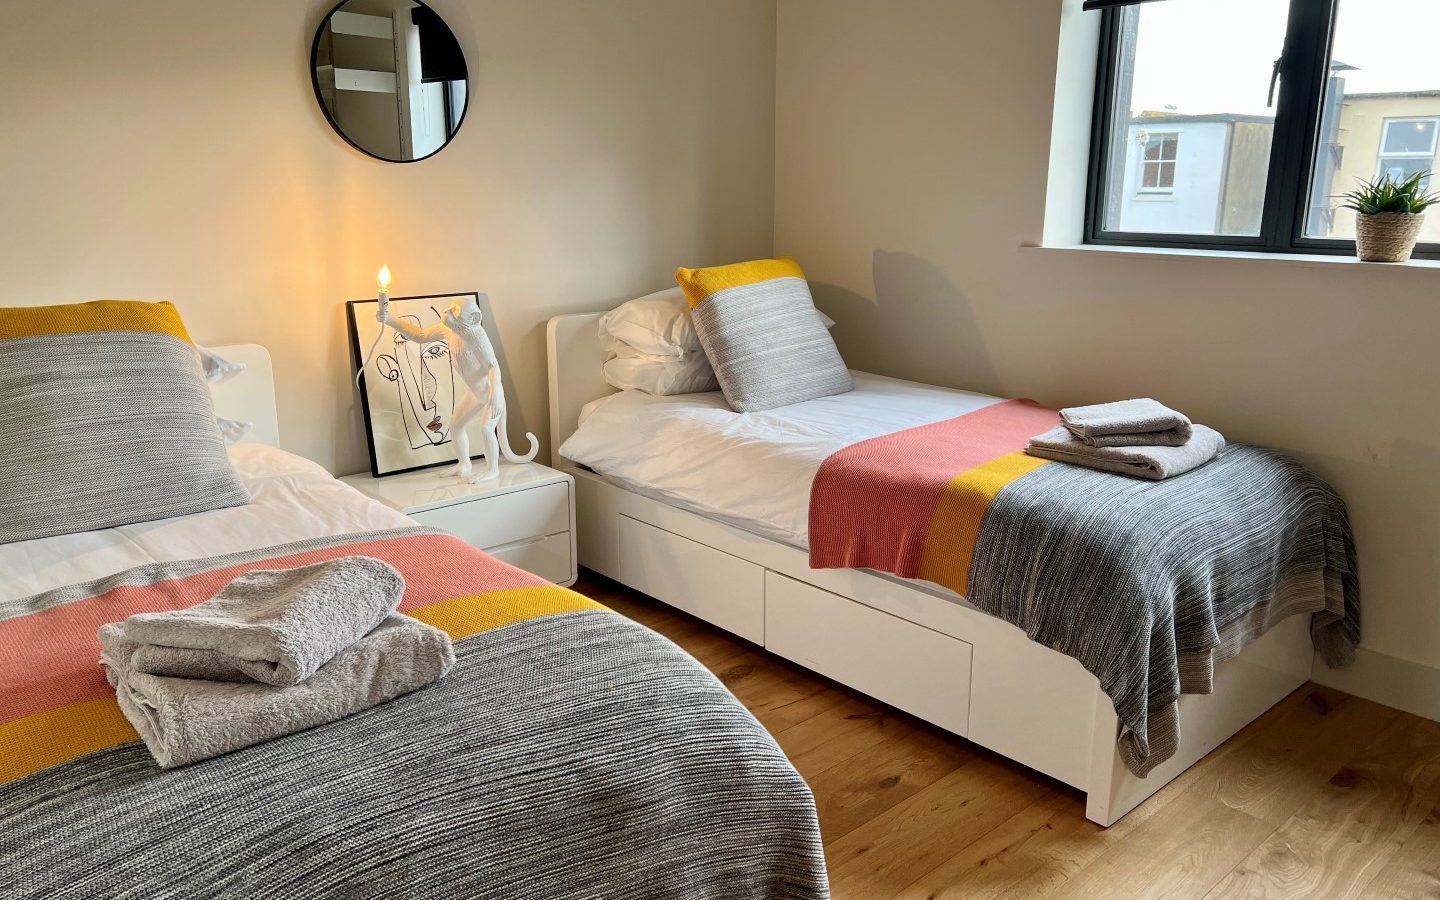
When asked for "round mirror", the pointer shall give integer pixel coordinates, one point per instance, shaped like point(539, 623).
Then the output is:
point(390, 77)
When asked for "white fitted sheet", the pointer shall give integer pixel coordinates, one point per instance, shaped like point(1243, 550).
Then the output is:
point(292, 499)
point(750, 470)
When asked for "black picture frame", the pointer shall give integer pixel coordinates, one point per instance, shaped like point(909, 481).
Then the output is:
point(355, 308)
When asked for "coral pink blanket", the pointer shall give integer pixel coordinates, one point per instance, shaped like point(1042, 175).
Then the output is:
point(911, 503)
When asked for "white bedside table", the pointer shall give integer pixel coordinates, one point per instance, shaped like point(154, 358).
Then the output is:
point(526, 517)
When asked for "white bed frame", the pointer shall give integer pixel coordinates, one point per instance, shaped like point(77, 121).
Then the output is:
point(911, 644)
point(250, 395)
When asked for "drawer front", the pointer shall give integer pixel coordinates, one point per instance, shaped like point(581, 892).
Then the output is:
point(505, 518)
point(548, 557)
point(723, 590)
point(923, 672)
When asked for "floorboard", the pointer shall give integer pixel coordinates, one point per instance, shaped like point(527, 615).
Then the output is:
point(1324, 796)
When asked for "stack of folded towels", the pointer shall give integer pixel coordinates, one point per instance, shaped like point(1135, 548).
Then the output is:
point(1141, 437)
point(273, 653)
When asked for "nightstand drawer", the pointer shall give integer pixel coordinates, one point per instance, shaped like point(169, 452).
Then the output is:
point(500, 519)
point(548, 557)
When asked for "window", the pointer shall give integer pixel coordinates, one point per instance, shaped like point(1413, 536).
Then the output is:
point(1279, 108)
point(1162, 151)
point(1408, 147)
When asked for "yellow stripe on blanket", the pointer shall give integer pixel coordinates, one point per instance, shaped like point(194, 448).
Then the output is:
point(58, 735)
point(466, 616)
point(955, 526)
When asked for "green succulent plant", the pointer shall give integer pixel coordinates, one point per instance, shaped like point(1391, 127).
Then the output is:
point(1391, 195)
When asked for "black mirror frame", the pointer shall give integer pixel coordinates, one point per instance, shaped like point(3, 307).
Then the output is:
point(335, 126)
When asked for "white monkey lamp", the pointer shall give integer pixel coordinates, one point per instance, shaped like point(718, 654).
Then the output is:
point(462, 328)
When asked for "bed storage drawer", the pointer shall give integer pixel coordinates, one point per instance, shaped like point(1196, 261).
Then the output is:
point(721, 589)
point(923, 672)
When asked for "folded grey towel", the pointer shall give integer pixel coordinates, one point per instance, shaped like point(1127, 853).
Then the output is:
point(1127, 423)
point(1155, 463)
point(272, 626)
point(185, 720)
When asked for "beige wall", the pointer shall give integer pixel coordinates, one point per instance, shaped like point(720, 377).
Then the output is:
point(175, 150)
point(913, 145)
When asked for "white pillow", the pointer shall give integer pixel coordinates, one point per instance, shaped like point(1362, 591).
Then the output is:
point(651, 345)
point(218, 369)
point(662, 376)
point(657, 324)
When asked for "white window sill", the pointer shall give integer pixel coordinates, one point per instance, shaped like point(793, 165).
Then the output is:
point(1291, 259)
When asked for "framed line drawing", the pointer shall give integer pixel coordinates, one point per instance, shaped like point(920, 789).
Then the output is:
point(409, 389)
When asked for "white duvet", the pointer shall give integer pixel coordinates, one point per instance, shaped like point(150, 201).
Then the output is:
point(292, 499)
point(750, 470)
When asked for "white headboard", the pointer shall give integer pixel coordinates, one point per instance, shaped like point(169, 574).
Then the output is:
point(249, 396)
point(576, 373)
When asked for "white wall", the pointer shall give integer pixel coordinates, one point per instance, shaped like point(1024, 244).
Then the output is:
point(912, 150)
point(173, 149)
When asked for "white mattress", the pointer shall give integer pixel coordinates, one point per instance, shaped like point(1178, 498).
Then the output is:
point(750, 470)
point(292, 499)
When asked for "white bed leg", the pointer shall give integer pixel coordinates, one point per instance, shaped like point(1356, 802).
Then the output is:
point(1100, 798)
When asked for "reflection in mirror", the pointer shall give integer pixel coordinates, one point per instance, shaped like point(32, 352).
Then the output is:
point(391, 77)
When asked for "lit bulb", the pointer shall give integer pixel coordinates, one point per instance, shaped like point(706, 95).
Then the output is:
point(384, 278)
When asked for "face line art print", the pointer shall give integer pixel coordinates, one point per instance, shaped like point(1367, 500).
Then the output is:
point(424, 398)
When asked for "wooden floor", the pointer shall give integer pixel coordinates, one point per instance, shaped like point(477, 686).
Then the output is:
point(1325, 796)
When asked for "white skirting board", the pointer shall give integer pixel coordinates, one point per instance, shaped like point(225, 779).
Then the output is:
point(1388, 680)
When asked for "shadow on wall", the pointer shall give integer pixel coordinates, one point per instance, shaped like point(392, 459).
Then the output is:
point(909, 288)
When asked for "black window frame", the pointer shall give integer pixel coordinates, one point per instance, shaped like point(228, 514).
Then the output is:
point(1303, 72)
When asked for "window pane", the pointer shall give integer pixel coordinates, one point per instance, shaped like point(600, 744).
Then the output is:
point(1403, 167)
point(1382, 107)
point(1197, 114)
point(1410, 136)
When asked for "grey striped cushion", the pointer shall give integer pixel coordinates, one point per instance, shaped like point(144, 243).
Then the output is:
point(769, 345)
point(104, 427)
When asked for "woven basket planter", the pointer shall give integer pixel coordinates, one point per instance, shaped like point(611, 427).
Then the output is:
point(1387, 237)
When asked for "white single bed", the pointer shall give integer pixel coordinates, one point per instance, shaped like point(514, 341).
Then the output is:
point(489, 783)
point(706, 510)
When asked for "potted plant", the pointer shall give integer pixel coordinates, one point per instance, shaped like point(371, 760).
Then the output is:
point(1389, 213)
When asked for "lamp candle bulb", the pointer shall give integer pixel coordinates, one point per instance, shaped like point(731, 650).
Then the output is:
point(383, 277)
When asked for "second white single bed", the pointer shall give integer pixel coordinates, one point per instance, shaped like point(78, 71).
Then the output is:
point(710, 510)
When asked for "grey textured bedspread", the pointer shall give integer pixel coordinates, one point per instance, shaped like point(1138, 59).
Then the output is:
point(1150, 584)
point(570, 753)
